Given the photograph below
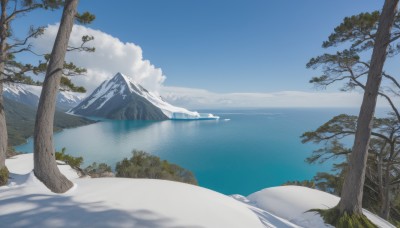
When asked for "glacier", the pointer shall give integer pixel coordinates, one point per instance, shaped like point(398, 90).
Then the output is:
point(194, 116)
point(172, 112)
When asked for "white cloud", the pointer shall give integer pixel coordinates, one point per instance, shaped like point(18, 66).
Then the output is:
point(111, 56)
point(198, 98)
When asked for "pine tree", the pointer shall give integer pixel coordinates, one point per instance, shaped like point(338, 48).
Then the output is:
point(365, 31)
point(45, 167)
point(9, 68)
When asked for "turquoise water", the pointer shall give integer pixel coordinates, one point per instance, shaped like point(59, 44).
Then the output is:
point(252, 150)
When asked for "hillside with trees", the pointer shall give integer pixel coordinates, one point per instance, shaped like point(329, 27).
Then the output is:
point(21, 120)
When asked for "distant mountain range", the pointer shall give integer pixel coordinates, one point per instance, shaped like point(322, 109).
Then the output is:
point(122, 98)
point(29, 95)
point(117, 98)
point(21, 120)
point(20, 104)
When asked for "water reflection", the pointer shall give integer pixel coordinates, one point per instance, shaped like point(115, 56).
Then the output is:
point(254, 150)
point(111, 140)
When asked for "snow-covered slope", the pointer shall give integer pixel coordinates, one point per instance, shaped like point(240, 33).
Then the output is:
point(293, 202)
point(115, 202)
point(123, 202)
point(121, 98)
point(29, 95)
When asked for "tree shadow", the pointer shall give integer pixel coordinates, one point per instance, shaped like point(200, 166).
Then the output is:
point(41, 210)
point(270, 220)
point(266, 218)
point(18, 179)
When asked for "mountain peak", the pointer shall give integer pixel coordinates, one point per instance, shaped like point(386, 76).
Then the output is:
point(122, 98)
point(120, 77)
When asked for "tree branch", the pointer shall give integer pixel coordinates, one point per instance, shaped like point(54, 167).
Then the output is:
point(392, 79)
point(16, 12)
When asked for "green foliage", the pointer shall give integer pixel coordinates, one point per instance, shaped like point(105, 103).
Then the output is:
point(359, 32)
point(85, 18)
point(11, 152)
point(343, 66)
point(358, 29)
point(345, 58)
point(67, 84)
point(96, 170)
point(330, 134)
point(4, 174)
point(16, 71)
point(331, 182)
point(333, 217)
point(304, 183)
point(51, 4)
point(338, 127)
point(380, 173)
point(20, 121)
point(327, 182)
point(395, 212)
point(74, 162)
point(45, 4)
point(144, 165)
point(69, 69)
point(356, 35)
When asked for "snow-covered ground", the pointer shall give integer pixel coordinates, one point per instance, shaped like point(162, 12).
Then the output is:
point(122, 202)
point(292, 202)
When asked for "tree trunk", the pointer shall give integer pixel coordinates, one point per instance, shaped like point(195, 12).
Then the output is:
point(380, 179)
point(352, 191)
point(385, 209)
point(3, 44)
point(3, 131)
point(45, 167)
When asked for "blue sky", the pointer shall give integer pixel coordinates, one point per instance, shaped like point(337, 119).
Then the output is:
point(224, 46)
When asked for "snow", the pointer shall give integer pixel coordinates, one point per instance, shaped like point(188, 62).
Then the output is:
point(16, 88)
point(100, 91)
point(292, 202)
point(105, 99)
point(104, 92)
point(119, 83)
point(169, 110)
point(116, 202)
point(122, 202)
point(65, 97)
point(267, 218)
point(71, 97)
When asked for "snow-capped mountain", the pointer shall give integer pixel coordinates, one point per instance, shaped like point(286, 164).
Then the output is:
point(29, 95)
point(121, 98)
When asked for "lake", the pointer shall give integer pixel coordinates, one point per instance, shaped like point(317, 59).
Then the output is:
point(243, 152)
